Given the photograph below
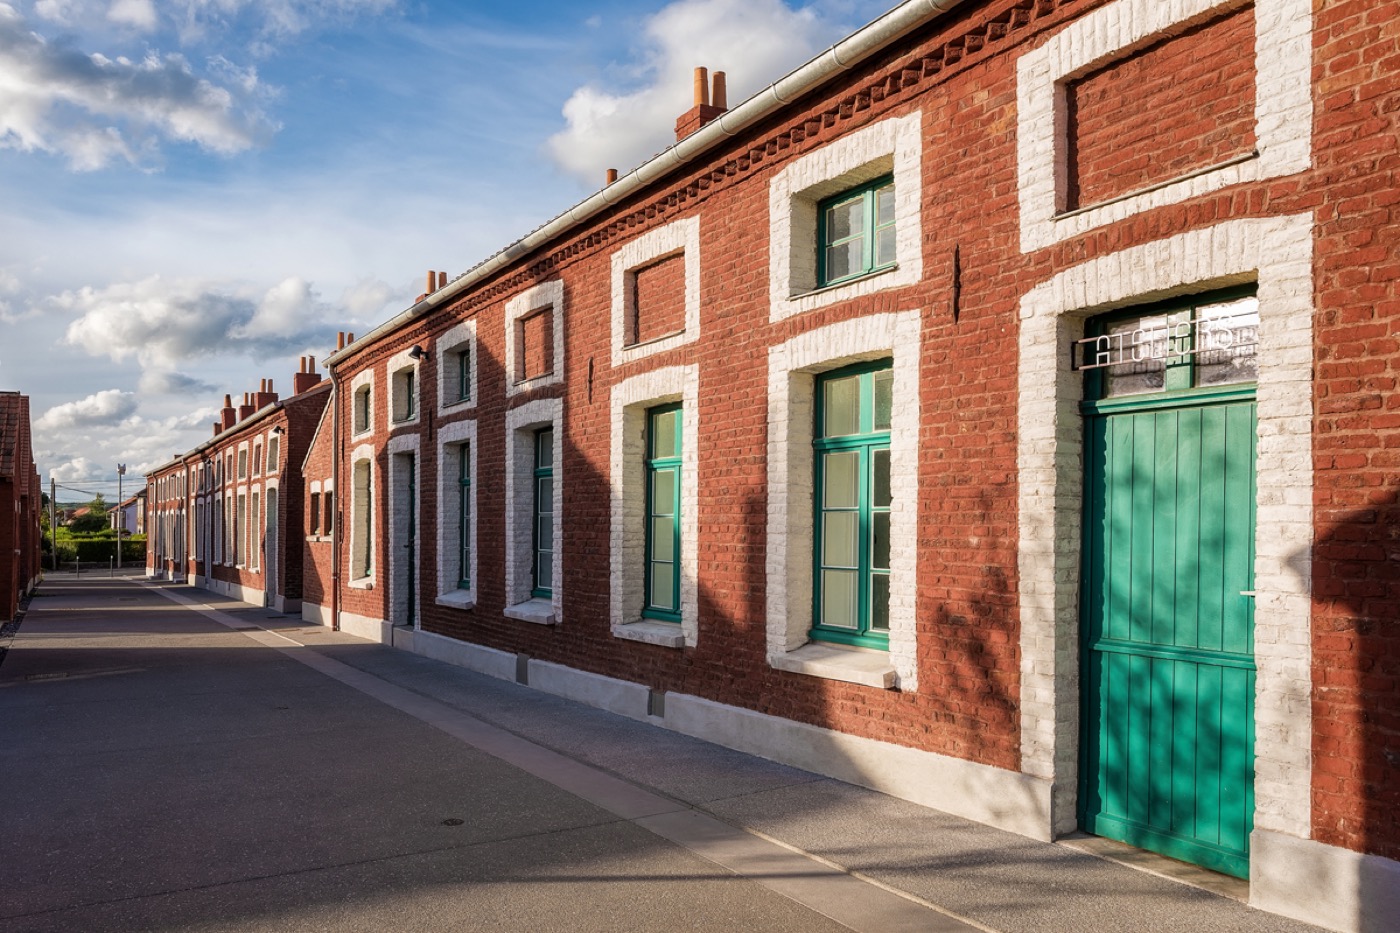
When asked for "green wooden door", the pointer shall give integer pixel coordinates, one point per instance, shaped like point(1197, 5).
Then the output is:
point(1168, 633)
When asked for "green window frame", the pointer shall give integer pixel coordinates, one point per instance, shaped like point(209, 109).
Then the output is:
point(410, 394)
point(464, 517)
point(542, 552)
point(661, 576)
point(856, 232)
point(464, 374)
point(851, 498)
point(361, 409)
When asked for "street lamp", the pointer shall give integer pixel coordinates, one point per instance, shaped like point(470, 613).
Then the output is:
point(121, 512)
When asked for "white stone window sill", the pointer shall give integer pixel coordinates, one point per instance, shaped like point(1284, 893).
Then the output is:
point(457, 599)
point(457, 404)
point(839, 662)
point(665, 634)
point(364, 583)
point(538, 610)
point(844, 283)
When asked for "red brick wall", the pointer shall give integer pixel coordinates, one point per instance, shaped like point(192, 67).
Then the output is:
point(1182, 104)
point(659, 299)
point(1356, 624)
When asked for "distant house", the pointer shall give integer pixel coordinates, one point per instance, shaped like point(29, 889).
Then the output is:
point(130, 516)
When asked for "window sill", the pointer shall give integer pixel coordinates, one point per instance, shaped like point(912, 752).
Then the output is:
point(363, 583)
point(457, 599)
point(839, 662)
point(844, 283)
point(665, 634)
point(537, 610)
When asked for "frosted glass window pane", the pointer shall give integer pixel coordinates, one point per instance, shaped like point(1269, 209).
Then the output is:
point(840, 539)
point(663, 580)
point(544, 442)
point(841, 406)
point(880, 540)
point(841, 479)
point(664, 434)
point(884, 398)
point(880, 478)
point(845, 220)
point(545, 573)
point(663, 492)
point(545, 532)
point(839, 598)
point(884, 246)
point(880, 602)
point(663, 541)
point(544, 492)
point(844, 259)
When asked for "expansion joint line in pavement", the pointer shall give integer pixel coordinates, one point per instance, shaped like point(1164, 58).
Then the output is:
point(855, 900)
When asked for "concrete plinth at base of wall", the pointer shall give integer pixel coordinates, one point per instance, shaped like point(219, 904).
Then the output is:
point(1334, 888)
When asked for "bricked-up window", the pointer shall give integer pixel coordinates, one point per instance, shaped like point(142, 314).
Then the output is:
point(404, 389)
point(362, 519)
point(243, 463)
point(662, 598)
point(543, 551)
point(535, 345)
point(657, 300)
point(361, 409)
point(1183, 104)
point(851, 450)
point(856, 232)
point(464, 517)
point(313, 524)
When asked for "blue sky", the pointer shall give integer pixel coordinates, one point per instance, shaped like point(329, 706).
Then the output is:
point(195, 193)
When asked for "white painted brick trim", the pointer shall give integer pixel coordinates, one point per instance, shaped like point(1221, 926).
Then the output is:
point(1278, 253)
point(792, 367)
point(449, 344)
point(362, 380)
point(682, 237)
point(398, 364)
point(627, 495)
point(536, 298)
point(521, 424)
point(451, 437)
point(364, 453)
point(1282, 110)
point(889, 146)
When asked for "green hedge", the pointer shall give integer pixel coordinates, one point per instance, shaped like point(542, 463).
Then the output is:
point(100, 549)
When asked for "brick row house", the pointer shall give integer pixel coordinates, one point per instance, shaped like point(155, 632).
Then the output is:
point(997, 411)
point(21, 500)
point(228, 514)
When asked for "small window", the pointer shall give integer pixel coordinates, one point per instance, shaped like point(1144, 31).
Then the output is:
point(851, 450)
point(257, 460)
point(361, 410)
point(856, 232)
point(243, 464)
point(464, 375)
point(274, 450)
point(240, 535)
point(543, 555)
point(405, 386)
point(328, 500)
point(255, 532)
point(314, 515)
point(662, 582)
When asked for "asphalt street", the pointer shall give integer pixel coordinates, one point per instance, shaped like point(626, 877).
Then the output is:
point(175, 761)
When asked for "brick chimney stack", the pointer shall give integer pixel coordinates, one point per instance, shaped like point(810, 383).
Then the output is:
point(707, 105)
point(246, 408)
point(228, 417)
point(265, 395)
point(307, 377)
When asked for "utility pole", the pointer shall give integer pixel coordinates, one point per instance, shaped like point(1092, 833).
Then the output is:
point(121, 512)
point(53, 518)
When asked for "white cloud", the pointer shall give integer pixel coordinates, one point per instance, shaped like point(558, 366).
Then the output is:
point(164, 382)
point(164, 324)
point(138, 13)
point(107, 408)
point(93, 109)
point(752, 41)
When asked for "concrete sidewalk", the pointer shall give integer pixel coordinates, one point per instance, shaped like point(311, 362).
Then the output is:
point(798, 850)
